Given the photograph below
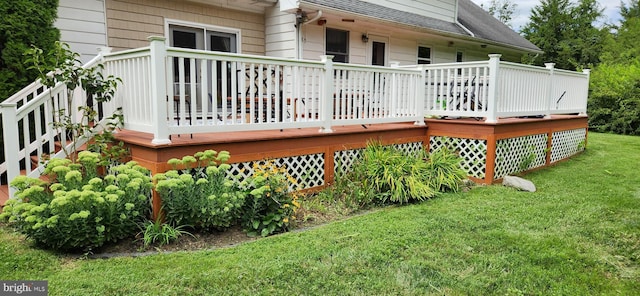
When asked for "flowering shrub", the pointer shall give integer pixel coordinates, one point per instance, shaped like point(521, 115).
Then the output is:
point(200, 194)
point(80, 210)
point(271, 206)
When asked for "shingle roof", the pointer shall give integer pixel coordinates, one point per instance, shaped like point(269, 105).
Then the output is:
point(487, 27)
point(483, 25)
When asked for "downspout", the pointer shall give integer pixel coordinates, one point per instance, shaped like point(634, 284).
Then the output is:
point(315, 18)
point(461, 25)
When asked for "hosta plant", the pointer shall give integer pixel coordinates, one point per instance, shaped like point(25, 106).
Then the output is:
point(80, 209)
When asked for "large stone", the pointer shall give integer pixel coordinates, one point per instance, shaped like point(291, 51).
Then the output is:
point(519, 183)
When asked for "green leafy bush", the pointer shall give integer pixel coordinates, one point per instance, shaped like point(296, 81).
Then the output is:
point(202, 196)
point(385, 174)
point(24, 23)
point(614, 101)
point(80, 209)
point(270, 206)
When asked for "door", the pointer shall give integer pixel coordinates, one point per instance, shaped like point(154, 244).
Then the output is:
point(378, 51)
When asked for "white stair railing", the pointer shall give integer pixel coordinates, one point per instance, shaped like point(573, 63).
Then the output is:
point(27, 125)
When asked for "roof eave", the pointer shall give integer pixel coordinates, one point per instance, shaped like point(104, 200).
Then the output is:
point(424, 29)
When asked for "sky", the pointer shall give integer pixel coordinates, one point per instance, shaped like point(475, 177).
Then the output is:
point(523, 9)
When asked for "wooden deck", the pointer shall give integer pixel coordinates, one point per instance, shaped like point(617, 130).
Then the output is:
point(489, 150)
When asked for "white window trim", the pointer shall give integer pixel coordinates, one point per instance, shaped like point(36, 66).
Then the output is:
point(431, 60)
point(205, 27)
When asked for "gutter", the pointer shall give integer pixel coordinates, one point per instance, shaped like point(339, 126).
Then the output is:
point(461, 25)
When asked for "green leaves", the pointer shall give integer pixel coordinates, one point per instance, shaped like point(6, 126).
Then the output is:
point(200, 197)
point(24, 23)
point(270, 206)
point(385, 174)
point(566, 33)
point(80, 212)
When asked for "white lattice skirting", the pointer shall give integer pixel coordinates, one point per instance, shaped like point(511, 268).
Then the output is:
point(514, 155)
point(307, 170)
point(472, 151)
point(567, 143)
point(344, 159)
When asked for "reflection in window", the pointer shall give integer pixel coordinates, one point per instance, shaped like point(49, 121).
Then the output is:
point(424, 55)
point(338, 45)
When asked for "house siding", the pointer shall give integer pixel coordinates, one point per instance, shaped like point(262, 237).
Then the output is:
point(280, 34)
point(82, 26)
point(439, 9)
point(402, 43)
point(130, 22)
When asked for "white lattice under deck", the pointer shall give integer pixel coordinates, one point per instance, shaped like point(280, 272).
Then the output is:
point(514, 155)
point(567, 143)
point(344, 159)
point(307, 170)
point(472, 151)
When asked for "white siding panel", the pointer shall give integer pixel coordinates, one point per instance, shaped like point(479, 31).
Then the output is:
point(404, 51)
point(280, 34)
point(313, 42)
point(82, 26)
point(438, 9)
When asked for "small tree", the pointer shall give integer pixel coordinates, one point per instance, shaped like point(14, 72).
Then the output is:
point(565, 33)
point(61, 65)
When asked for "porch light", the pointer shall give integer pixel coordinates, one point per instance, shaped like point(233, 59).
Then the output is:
point(365, 38)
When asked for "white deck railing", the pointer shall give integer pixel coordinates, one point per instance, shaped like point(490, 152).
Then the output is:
point(493, 89)
point(167, 91)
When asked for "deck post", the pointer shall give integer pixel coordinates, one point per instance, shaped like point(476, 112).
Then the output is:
point(492, 100)
point(421, 96)
point(159, 91)
point(327, 94)
point(586, 91)
point(550, 100)
point(11, 145)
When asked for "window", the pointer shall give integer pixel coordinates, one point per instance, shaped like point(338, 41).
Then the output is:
point(424, 55)
point(200, 36)
point(203, 38)
point(338, 45)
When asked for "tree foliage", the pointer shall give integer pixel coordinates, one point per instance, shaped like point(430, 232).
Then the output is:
point(503, 10)
point(23, 24)
point(614, 101)
point(566, 33)
point(622, 46)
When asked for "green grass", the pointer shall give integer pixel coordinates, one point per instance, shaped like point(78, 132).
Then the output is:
point(578, 235)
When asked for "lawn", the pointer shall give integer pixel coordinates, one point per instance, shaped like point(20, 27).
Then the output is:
point(578, 235)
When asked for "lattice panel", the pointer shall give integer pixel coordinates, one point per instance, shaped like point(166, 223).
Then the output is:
point(472, 151)
point(344, 159)
point(520, 154)
point(567, 143)
point(307, 170)
point(412, 149)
